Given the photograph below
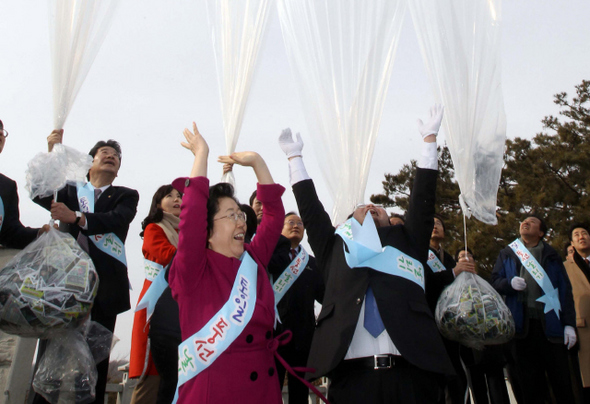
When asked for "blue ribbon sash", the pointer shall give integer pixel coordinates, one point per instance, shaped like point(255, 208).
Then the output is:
point(290, 275)
point(434, 262)
point(1, 213)
point(365, 250)
point(199, 351)
point(108, 243)
point(551, 296)
point(152, 295)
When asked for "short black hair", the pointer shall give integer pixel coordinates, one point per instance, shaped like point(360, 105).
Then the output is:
point(442, 221)
point(291, 214)
point(252, 197)
point(156, 214)
point(251, 222)
point(578, 225)
point(542, 226)
point(398, 215)
point(216, 192)
point(109, 143)
point(463, 249)
point(565, 251)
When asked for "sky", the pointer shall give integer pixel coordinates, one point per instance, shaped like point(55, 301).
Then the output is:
point(155, 74)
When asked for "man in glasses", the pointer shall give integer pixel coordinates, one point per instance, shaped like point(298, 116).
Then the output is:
point(375, 337)
point(12, 232)
point(297, 283)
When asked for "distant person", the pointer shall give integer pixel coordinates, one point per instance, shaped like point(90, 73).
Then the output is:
point(569, 251)
point(160, 239)
point(530, 273)
point(298, 282)
point(578, 272)
point(396, 218)
point(226, 356)
point(484, 368)
point(12, 232)
point(256, 205)
point(98, 208)
point(445, 270)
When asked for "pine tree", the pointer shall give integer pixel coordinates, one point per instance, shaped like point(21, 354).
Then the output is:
point(549, 175)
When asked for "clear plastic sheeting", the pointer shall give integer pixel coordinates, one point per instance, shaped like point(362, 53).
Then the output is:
point(67, 371)
point(237, 28)
point(77, 29)
point(471, 312)
point(50, 172)
point(460, 44)
point(341, 54)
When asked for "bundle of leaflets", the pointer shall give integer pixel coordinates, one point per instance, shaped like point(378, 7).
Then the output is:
point(48, 286)
point(472, 313)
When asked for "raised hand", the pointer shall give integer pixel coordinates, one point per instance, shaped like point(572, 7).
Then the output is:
point(245, 158)
point(432, 126)
point(54, 138)
point(195, 141)
point(290, 148)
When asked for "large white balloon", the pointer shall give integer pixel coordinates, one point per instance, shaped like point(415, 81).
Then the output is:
point(77, 29)
point(460, 44)
point(341, 53)
point(237, 28)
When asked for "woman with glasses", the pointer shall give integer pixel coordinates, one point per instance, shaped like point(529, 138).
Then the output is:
point(225, 299)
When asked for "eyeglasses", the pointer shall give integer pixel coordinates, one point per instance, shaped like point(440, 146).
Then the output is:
point(4, 132)
point(234, 216)
point(364, 205)
point(293, 223)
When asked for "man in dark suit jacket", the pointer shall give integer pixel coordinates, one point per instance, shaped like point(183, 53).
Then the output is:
point(406, 361)
point(114, 209)
point(12, 232)
point(296, 308)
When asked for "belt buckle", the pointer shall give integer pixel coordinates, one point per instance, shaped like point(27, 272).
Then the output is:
point(383, 362)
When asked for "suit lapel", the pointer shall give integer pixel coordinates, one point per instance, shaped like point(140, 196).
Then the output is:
point(104, 199)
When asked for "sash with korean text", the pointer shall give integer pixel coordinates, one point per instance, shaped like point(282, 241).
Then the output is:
point(108, 243)
point(1, 212)
point(290, 275)
point(151, 269)
point(199, 351)
point(434, 262)
point(551, 296)
point(365, 250)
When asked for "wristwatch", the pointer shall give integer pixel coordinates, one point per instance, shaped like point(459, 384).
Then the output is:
point(78, 217)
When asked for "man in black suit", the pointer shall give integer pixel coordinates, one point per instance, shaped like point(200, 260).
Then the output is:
point(296, 307)
point(12, 232)
point(391, 351)
point(114, 209)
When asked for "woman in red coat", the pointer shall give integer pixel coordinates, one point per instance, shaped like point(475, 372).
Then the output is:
point(160, 239)
point(225, 358)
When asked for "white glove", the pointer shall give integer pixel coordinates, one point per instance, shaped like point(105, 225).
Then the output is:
point(569, 336)
point(289, 147)
point(433, 125)
point(518, 283)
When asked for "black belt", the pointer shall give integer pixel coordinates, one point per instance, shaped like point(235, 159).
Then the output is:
point(375, 362)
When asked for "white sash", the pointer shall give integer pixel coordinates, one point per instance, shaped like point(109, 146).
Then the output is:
point(108, 243)
point(290, 275)
point(434, 263)
point(365, 250)
point(1, 213)
point(551, 296)
point(199, 351)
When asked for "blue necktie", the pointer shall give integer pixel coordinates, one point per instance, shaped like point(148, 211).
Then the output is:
point(373, 322)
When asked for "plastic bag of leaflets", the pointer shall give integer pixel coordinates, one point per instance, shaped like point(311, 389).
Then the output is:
point(47, 291)
point(472, 313)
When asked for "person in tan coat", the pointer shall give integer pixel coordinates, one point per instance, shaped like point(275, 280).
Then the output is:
point(579, 274)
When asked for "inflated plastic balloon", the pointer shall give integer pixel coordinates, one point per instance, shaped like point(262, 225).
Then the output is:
point(77, 29)
point(460, 44)
point(341, 53)
point(237, 29)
